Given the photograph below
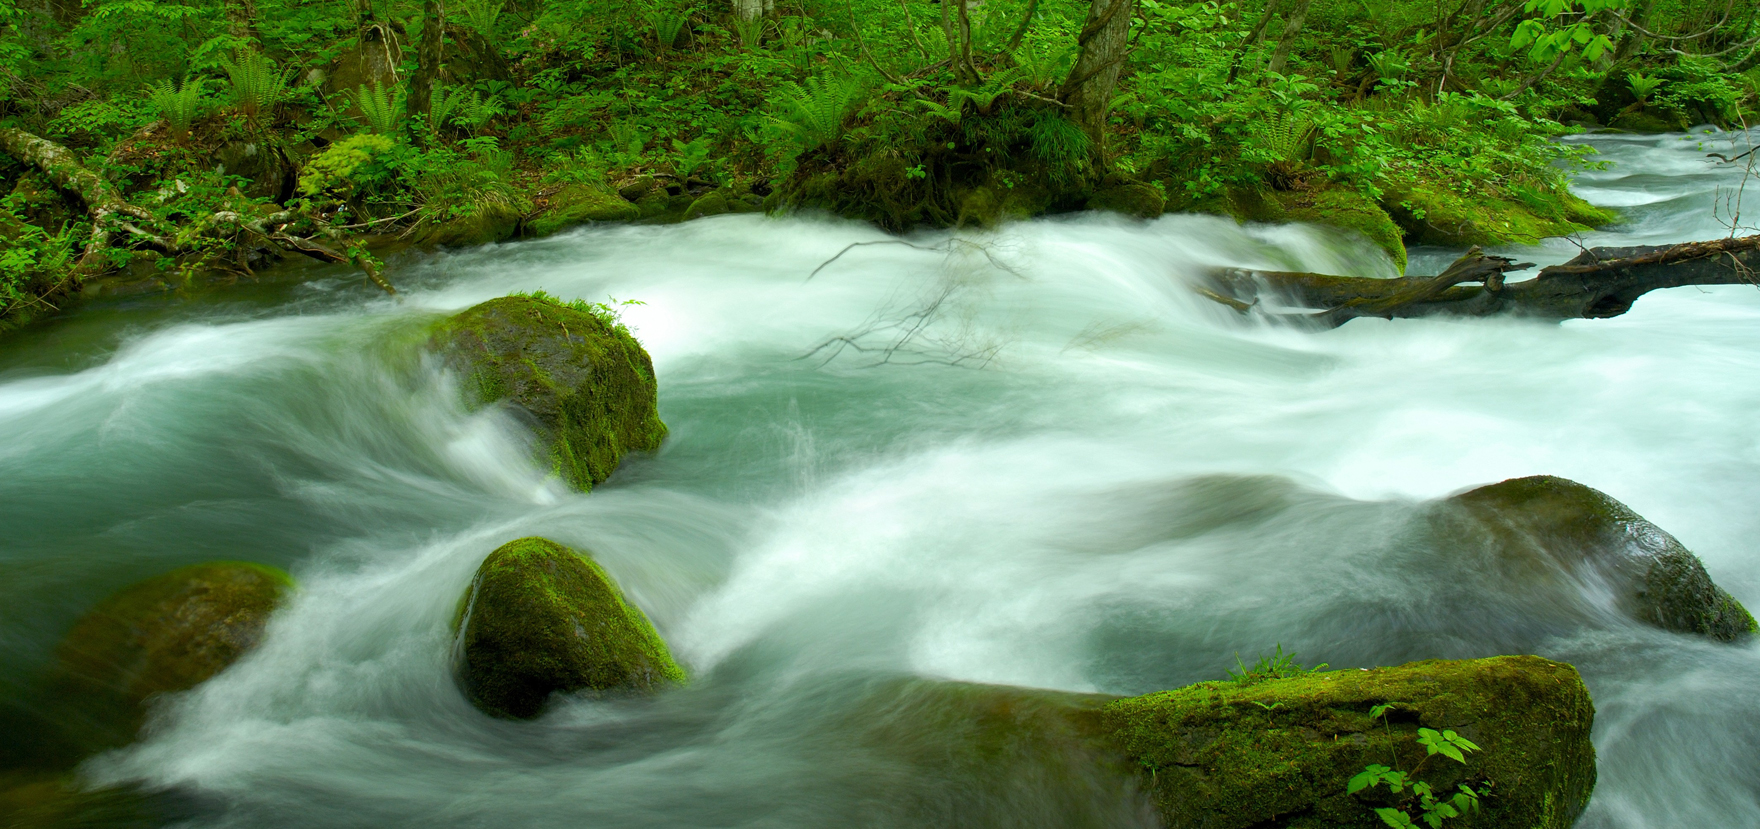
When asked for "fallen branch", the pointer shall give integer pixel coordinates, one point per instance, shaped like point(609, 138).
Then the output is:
point(110, 213)
point(1598, 283)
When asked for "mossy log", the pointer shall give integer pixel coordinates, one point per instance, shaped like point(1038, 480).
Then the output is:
point(111, 215)
point(539, 619)
point(587, 386)
point(1598, 283)
point(1281, 752)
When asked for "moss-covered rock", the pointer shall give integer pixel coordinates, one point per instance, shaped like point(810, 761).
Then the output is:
point(1645, 121)
point(1131, 199)
point(577, 204)
point(541, 619)
point(166, 634)
point(1433, 214)
point(31, 800)
point(1347, 209)
point(1544, 527)
point(712, 203)
point(1224, 755)
point(585, 384)
point(485, 223)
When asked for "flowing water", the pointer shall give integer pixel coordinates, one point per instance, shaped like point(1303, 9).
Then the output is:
point(1031, 457)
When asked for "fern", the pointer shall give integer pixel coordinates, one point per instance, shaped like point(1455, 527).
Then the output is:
point(815, 111)
point(382, 109)
point(483, 16)
point(257, 86)
point(444, 106)
point(1284, 137)
point(1042, 64)
point(177, 104)
point(751, 32)
point(668, 25)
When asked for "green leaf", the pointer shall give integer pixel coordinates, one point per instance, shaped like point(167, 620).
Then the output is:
point(1395, 818)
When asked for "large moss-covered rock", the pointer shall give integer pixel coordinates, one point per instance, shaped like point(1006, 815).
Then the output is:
point(541, 619)
point(1130, 198)
point(1433, 214)
point(1346, 209)
point(1546, 528)
point(166, 634)
point(577, 204)
point(484, 223)
point(585, 384)
point(1225, 755)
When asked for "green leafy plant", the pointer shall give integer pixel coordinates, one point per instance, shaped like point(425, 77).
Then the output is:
point(750, 32)
point(257, 85)
point(483, 17)
point(689, 158)
point(347, 166)
point(1562, 26)
point(815, 111)
point(1432, 810)
point(1642, 85)
point(667, 25)
point(177, 104)
point(609, 312)
point(381, 108)
point(1277, 665)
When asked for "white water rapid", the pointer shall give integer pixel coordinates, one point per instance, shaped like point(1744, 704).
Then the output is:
point(1032, 456)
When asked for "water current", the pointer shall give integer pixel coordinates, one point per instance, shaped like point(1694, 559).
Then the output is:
point(1030, 456)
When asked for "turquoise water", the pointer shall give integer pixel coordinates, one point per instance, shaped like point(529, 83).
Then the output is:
point(1031, 456)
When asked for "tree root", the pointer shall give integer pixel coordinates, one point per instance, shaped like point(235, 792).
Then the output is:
point(1598, 283)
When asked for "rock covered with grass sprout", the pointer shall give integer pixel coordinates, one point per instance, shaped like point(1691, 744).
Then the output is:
point(570, 369)
point(1543, 527)
point(1283, 750)
point(539, 619)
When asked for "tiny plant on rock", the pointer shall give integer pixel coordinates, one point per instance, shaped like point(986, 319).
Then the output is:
point(1432, 810)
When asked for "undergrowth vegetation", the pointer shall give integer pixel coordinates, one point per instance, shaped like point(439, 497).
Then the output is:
point(466, 123)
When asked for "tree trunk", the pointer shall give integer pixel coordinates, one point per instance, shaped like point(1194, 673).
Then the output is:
point(752, 9)
point(1291, 27)
point(1598, 283)
point(429, 55)
point(1104, 41)
point(241, 17)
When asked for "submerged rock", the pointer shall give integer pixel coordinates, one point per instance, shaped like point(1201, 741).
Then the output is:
point(1280, 752)
point(583, 381)
point(166, 634)
point(1542, 526)
point(541, 619)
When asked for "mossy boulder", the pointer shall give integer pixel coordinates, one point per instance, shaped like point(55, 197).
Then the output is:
point(165, 634)
point(33, 800)
point(1434, 214)
point(1547, 528)
point(579, 379)
point(539, 619)
point(1346, 209)
point(485, 223)
point(712, 203)
point(1130, 198)
point(1280, 752)
point(577, 204)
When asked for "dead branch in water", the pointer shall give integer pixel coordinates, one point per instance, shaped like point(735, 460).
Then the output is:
point(1598, 283)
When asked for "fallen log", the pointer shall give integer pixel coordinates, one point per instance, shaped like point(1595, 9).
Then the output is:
point(111, 214)
point(1598, 283)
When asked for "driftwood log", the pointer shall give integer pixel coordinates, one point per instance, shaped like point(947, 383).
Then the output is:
point(116, 221)
point(1598, 283)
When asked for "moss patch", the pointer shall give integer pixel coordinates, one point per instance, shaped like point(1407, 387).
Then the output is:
point(577, 204)
point(1435, 215)
point(1280, 752)
point(540, 619)
point(166, 634)
point(488, 223)
point(587, 384)
point(1347, 209)
point(1543, 523)
point(1131, 199)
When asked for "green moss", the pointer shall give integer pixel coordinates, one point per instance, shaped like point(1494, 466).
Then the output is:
point(712, 203)
point(1345, 208)
point(31, 800)
point(1436, 215)
point(1540, 526)
point(539, 619)
point(577, 204)
point(1131, 199)
point(1280, 752)
point(489, 222)
point(587, 384)
point(165, 634)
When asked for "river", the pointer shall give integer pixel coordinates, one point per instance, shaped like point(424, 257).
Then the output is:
point(1031, 456)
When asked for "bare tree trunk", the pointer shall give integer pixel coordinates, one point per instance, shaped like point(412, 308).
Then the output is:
point(1240, 52)
point(1291, 27)
point(429, 55)
point(1104, 42)
point(750, 9)
point(1599, 283)
point(241, 18)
